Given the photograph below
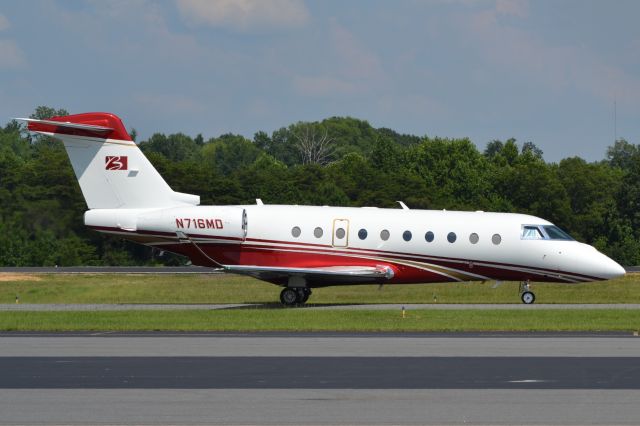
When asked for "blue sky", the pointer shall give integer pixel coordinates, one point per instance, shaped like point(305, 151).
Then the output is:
point(541, 71)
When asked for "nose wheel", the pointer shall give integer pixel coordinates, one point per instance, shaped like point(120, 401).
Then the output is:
point(294, 296)
point(526, 295)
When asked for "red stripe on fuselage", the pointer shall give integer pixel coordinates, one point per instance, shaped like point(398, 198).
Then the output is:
point(296, 254)
point(229, 254)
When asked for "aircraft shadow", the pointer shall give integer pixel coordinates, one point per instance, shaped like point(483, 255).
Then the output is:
point(278, 305)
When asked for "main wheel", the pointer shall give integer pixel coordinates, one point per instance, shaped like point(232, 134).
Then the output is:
point(303, 295)
point(528, 297)
point(289, 297)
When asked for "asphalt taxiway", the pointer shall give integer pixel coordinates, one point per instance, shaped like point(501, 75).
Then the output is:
point(250, 372)
point(326, 378)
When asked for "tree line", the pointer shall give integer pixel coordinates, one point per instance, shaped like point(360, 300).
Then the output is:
point(339, 161)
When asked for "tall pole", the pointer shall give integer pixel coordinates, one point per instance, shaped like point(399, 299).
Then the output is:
point(615, 121)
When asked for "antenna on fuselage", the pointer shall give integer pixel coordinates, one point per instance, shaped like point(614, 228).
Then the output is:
point(403, 205)
point(259, 202)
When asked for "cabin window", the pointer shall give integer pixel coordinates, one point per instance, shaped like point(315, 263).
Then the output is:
point(318, 232)
point(556, 233)
point(295, 231)
point(384, 235)
point(406, 235)
point(474, 238)
point(429, 236)
point(362, 234)
point(530, 232)
point(451, 237)
point(496, 239)
point(340, 233)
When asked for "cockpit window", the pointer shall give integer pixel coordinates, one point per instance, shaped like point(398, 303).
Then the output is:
point(556, 233)
point(544, 232)
point(531, 233)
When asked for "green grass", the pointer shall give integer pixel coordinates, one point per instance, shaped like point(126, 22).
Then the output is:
point(161, 288)
point(144, 288)
point(329, 320)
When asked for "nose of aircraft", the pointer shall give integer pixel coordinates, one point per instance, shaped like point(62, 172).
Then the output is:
point(586, 260)
point(609, 268)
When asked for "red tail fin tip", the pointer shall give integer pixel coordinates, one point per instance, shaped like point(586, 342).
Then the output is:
point(92, 124)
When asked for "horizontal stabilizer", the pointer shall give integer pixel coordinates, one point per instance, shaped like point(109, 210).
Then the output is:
point(69, 125)
point(93, 124)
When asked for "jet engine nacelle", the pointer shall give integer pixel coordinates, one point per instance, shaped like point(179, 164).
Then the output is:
point(208, 221)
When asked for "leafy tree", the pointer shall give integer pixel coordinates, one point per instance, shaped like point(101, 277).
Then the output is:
point(622, 153)
point(229, 152)
point(529, 149)
point(45, 112)
point(454, 170)
point(175, 147)
point(400, 139)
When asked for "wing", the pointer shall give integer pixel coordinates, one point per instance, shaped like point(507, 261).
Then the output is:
point(316, 277)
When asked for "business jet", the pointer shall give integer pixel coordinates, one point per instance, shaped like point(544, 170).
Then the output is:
point(303, 247)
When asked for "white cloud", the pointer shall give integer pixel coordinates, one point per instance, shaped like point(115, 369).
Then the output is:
point(138, 32)
point(351, 68)
point(512, 48)
point(244, 15)
point(10, 55)
point(4, 23)
point(358, 61)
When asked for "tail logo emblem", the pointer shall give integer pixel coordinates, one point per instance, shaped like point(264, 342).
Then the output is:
point(118, 162)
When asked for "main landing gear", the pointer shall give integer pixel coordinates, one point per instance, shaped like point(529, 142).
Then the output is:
point(291, 296)
point(526, 295)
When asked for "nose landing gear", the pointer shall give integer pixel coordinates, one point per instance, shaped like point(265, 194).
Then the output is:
point(291, 296)
point(526, 295)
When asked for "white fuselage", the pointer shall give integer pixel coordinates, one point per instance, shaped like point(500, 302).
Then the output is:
point(486, 245)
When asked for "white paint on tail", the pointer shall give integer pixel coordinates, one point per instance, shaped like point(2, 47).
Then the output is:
point(113, 173)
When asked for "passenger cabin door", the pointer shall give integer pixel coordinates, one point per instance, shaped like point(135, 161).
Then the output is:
point(340, 233)
point(245, 225)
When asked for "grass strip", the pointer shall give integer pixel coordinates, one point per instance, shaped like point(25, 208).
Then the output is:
point(167, 288)
point(329, 320)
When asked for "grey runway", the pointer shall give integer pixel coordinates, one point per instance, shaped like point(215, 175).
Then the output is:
point(361, 345)
point(319, 373)
point(324, 378)
point(318, 407)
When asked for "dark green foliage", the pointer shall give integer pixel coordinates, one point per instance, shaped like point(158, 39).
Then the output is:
point(177, 147)
point(45, 112)
point(41, 206)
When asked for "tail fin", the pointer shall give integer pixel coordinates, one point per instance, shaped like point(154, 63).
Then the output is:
point(111, 169)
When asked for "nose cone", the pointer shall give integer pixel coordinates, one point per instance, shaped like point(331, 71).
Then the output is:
point(585, 260)
point(609, 268)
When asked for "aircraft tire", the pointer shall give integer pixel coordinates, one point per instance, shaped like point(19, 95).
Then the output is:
point(528, 297)
point(289, 297)
point(303, 295)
